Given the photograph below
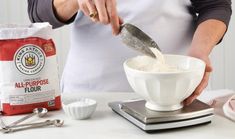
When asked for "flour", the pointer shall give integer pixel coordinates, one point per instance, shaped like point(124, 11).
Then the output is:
point(81, 103)
point(78, 104)
point(28, 69)
point(157, 64)
point(159, 56)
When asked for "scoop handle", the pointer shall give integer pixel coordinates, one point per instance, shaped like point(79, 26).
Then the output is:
point(22, 119)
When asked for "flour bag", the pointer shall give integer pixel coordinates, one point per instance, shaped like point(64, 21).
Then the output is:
point(28, 69)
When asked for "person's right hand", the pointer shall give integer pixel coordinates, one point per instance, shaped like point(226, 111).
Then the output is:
point(103, 11)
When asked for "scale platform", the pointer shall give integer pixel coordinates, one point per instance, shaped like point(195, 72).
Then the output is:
point(148, 120)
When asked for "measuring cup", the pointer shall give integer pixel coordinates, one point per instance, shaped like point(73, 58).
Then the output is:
point(135, 38)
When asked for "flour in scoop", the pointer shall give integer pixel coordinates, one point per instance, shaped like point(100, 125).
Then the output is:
point(157, 64)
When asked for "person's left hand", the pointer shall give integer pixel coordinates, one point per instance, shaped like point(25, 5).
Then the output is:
point(205, 79)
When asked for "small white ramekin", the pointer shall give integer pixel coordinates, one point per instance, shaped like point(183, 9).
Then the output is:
point(81, 108)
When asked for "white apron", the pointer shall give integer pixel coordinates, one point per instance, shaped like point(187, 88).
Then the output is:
point(95, 58)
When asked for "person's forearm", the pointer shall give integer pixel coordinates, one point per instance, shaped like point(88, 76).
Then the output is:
point(207, 35)
point(65, 9)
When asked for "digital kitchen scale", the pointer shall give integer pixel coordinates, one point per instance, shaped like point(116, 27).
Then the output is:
point(148, 120)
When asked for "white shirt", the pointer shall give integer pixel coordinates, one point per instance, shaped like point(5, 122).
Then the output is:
point(95, 58)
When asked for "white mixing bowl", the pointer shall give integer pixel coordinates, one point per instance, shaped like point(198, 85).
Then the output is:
point(164, 91)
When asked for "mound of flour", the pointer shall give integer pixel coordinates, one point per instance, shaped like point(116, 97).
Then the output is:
point(158, 64)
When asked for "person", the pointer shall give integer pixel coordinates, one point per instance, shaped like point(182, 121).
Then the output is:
point(95, 59)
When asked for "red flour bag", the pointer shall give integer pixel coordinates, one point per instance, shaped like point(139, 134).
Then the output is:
point(28, 69)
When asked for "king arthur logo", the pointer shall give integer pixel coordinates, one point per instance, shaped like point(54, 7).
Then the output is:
point(29, 59)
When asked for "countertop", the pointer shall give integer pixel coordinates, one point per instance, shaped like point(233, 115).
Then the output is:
point(104, 123)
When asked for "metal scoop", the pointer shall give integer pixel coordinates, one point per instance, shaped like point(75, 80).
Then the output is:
point(135, 38)
point(40, 112)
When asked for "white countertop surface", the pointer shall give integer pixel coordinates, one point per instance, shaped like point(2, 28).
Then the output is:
point(104, 123)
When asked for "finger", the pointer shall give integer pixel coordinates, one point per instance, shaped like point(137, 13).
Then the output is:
point(200, 87)
point(204, 82)
point(102, 12)
point(120, 21)
point(209, 68)
point(92, 10)
point(113, 16)
point(198, 90)
point(83, 8)
point(208, 65)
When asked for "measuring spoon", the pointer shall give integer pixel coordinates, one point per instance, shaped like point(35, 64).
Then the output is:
point(40, 112)
point(2, 124)
point(56, 123)
point(135, 38)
